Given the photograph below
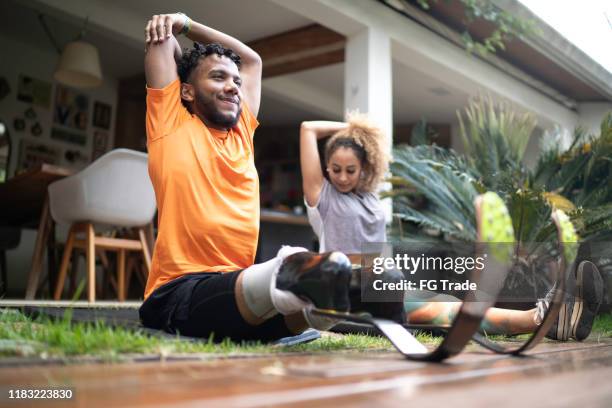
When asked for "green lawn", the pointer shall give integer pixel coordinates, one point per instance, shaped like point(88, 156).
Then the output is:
point(45, 338)
point(23, 336)
point(602, 326)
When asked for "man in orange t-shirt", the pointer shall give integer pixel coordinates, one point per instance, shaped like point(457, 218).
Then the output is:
point(201, 116)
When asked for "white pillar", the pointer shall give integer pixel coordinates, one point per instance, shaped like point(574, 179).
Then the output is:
point(368, 83)
point(367, 77)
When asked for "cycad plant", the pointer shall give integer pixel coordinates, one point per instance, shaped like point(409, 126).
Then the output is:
point(434, 188)
point(437, 179)
point(580, 179)
point(582, 172)
point(495, 139)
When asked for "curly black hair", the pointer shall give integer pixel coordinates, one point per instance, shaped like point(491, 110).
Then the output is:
point(189, 59)
point(368, 142)
point(346, 142)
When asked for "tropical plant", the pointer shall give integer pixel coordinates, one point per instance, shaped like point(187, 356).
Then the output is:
point(495, 140)
point(583, 172)
point(446, 183)
point(580, 177)
point(434, 188)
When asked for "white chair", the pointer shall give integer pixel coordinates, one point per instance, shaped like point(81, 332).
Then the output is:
point(114, 190)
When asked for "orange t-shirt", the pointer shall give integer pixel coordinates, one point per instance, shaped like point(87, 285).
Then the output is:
point(206, 187)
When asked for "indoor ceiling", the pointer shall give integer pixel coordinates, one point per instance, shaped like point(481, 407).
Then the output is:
point(415, 95)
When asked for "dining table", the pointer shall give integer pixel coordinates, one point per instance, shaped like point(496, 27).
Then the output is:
point(24, 203)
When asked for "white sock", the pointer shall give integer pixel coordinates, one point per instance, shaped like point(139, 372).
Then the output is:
point(260, 292)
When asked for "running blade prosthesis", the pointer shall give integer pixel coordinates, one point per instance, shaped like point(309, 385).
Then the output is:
point(559, 271)
point(494, 227)
point(567, 249)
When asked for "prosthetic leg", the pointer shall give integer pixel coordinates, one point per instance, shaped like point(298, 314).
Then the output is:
point(494, 227)
point(560, 271)
point(567, 250)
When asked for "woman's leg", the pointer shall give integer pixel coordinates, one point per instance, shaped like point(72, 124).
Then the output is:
point(496, 321)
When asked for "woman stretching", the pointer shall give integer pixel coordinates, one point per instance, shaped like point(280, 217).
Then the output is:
point(346, 213)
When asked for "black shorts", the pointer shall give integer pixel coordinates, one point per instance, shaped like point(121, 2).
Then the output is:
point(204, 305)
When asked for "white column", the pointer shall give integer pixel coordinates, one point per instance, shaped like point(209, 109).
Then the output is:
point(368, 83)
point(367, 77)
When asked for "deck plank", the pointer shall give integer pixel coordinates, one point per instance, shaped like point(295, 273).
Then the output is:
point(341, 379)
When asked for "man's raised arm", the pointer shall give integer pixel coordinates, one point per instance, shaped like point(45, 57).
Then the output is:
point(163, 27)
point(160, 56)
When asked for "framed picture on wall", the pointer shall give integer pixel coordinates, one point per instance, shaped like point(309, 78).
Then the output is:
point(33, 153)
point(34, 91)
point(102, 115)
point(100, 144)
point(68, 136)
point(71, 108)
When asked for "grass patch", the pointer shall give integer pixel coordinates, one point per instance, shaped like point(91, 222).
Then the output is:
point(502, 337)
point(602, 326)
point(46, 338)
point(43, 337)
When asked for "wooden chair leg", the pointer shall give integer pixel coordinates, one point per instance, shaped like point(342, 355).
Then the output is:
point(121, 275)
point(61, 278)
point(130, 265)
point(145, 249)
point(51, 258)
point(37, 259)
point(113, 284)
point(91, 262)
point(74, 272)
point(103, 257)
point(150, 235)
point(141, 275)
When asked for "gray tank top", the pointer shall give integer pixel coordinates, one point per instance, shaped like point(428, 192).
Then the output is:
point(346, 221)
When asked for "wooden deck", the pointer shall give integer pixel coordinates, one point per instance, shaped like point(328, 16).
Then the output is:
point(554, 374)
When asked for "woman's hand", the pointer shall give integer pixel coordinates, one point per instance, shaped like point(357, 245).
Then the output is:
point(160, 27)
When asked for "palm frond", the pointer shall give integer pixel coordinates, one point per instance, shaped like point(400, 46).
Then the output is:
point(434, 188)
point(439, 179)
point(583, 172)
point(495, 139)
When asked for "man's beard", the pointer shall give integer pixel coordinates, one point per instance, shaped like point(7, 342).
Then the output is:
point(206, 107)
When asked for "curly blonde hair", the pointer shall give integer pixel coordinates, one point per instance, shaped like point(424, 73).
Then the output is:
point(369, 144)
